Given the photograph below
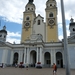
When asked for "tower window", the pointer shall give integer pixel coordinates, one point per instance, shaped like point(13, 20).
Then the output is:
point(50, 4)
point(38, 22)
point(4, 36)
point(0, 35)
point(73, 29)
point(28, 9)
point(27, 18)
point(32, 8)
point(51, 15)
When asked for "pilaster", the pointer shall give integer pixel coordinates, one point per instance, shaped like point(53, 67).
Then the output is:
point(24, 55)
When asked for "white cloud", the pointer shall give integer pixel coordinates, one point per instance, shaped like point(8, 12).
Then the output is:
point(60, 37)
point(13, 37)
point(12, 40)
point(12, 34)
point(13, 10)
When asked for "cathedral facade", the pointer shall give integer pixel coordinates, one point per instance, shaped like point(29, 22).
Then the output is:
point(39, 40)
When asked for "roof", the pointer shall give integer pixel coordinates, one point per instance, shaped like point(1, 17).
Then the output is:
point(3, 31)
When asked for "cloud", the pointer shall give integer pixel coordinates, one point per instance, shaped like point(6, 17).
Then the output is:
point(12, 34)
point(60, 37)
point(13, 10)
point(13, 37)
point(12, 40)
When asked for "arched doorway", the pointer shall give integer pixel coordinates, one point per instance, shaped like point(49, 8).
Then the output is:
point(59, 59)
point(32, 58)
point(47, 59)
point(15, 60)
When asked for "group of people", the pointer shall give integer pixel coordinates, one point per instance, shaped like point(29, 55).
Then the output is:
point(54, 68)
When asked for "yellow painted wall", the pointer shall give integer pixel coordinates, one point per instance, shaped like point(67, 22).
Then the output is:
point(51, 33)
point(27, 33)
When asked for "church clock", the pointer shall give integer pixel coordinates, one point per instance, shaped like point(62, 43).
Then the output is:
point(27, 25)
point(51, 22)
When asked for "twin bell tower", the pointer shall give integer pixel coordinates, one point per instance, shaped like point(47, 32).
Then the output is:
point(33, 24)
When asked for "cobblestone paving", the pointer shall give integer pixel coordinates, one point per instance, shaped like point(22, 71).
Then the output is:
point(32, 71)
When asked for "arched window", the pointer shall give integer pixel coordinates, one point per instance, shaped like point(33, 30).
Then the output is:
point(38, 22)
point(0, 35)
point(50, 4)
point(32, 8)
point(27, 18)
point(51, 15)
point(73, 29)
point(28, 8)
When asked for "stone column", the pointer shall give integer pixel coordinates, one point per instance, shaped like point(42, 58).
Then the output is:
point(19, 58)
point(28, 54)
point(52, 57)
point(41, 55)
point(37, 55)
point(24, 55)
point(21, 55)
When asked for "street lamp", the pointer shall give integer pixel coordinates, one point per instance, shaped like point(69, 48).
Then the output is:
point(67, 66)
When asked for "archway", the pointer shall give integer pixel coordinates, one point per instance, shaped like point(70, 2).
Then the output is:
point(59, 59)
point(47, 59)
point(32, 58)
point(15, 60)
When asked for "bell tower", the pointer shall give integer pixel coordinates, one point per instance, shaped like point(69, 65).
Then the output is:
point(28, 19)
point(51, 21)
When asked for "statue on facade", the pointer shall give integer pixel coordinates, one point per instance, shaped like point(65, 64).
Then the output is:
point(30, 1)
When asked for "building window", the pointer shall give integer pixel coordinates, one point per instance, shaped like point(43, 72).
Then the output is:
point(38, 22)
point(73, 29)
point(0, 35)
point(28, 9)
point(27, 18)
point(4, 36)
point(48, 62)
point(51, 15)
point(50, 4)
point(32, 8)
point(58, 62)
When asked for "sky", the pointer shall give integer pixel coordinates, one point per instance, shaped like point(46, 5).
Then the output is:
point(11, 15)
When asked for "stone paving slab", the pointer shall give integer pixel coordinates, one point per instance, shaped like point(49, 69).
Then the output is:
point(32, 71)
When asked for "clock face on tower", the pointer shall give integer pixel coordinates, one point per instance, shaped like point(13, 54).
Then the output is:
point(51, 22)
point(27, 25)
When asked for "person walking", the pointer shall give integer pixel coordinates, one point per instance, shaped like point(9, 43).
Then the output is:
point(54, 69)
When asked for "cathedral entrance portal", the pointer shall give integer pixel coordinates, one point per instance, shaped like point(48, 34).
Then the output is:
point(15, 60)
point(32, 58)
point(47, 59)
point(59, 59)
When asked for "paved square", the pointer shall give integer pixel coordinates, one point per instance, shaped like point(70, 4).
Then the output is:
point(32, 71)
